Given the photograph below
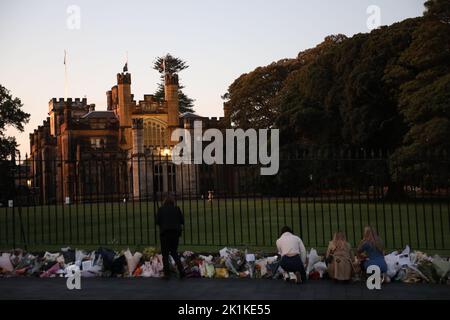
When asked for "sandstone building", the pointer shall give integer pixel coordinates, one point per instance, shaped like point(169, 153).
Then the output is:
point(84, 155)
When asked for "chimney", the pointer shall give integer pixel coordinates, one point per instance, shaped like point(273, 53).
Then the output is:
point(109, 100)
point(171, 96)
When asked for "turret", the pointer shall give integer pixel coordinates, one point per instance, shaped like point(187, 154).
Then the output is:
point(56, 111)
point(124, 95)
point(109, 100)
point(124, 106)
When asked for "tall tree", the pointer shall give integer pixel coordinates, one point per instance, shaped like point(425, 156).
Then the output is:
point(172, 65)
point(11, 115)
point(250, 97)
point(341, 97)
point(438, 9)
point(253, 97)
point(424, 92)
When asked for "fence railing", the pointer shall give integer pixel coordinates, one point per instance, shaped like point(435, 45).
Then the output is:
point(111, 201)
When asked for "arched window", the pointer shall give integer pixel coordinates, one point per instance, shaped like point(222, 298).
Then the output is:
point(154, 133)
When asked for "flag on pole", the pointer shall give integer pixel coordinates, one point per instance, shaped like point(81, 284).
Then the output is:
point(125, 67)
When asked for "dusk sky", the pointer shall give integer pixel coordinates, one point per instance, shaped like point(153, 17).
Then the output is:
point(220, 40)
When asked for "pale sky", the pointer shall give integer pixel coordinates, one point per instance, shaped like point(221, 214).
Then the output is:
point(219, 39)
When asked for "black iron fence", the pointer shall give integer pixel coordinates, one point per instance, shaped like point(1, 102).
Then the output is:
point(103, 199)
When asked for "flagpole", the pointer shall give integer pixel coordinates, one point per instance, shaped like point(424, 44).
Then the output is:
point(66, 89)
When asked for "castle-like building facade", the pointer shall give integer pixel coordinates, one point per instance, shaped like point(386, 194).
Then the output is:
point(84, 155)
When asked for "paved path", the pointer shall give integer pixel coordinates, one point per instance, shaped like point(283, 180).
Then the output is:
point(202, 289)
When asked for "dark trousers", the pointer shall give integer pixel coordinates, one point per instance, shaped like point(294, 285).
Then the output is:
point(169, 246)
point(293, 264)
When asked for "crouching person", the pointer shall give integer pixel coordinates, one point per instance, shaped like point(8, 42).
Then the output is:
point(371, 251)
point(293, 253)
point(339, 258)
point(170, 219)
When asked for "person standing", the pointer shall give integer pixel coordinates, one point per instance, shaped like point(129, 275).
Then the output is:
point(170, 221)
point(293, 253)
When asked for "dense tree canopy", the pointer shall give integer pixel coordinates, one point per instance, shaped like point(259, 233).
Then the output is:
point(172, 65)
point(342, 98)
point(423, 75)
point(386, 89)
point(253, 96)
point(11, 114)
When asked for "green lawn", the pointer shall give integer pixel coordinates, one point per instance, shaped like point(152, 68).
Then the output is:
point(234, 222)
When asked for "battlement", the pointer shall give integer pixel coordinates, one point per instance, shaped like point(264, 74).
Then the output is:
point(46, 122)
point(59, 104)
point(68, 100)
point(123, 78)
point(213, 121)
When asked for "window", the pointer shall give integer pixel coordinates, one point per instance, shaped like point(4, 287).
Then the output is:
point(158, 178)
point(97, 143)
point(171, 177)
point(154, 133)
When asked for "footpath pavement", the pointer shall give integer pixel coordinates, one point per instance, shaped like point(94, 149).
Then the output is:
point(210, 289)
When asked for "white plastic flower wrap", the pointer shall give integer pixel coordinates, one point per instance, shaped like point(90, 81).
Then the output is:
point(5, 262)
point(147, 270)
point(51, 256)
point(224, 252)
point(210, 270)
point(206, 267)
point(396, 261)
point(132, 260)
point(250, 263)
point(262, 265)
point(80, 255)
point(392, 262)
point(313, 258)
point(92, 271)
point(441, 266)
point(404, 258)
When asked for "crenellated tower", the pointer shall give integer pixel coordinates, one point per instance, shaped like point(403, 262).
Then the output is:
point(124, 109)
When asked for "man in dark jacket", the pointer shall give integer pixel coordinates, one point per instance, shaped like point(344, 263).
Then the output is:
point(170, 219)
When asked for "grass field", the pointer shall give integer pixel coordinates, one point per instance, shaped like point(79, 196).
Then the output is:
point(232, 222)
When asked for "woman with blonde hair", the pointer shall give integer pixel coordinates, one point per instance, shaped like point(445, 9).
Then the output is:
point(339, 258)
point(371, 247)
